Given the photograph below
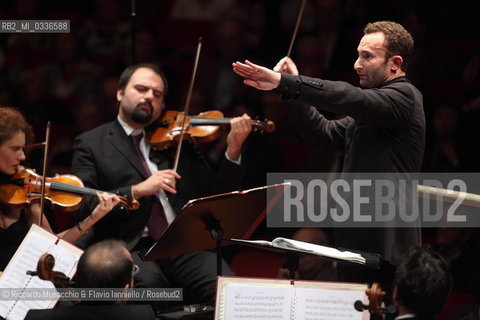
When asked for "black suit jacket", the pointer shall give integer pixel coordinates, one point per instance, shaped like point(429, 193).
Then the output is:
point(105, 159)
point(383, 131)
point(91, 312)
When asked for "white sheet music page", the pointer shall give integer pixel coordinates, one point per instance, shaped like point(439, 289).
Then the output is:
point(327, 304)
point(36, 242)
point(247, 301)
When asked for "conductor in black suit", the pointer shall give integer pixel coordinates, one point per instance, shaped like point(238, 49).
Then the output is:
point(383, 129)
point(116, 156)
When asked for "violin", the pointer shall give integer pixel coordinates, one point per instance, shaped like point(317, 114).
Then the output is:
point(375, 296)
point(201, 128)
point(45, 271)
point(64, 190)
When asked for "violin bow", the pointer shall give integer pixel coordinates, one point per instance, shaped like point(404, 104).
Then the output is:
point(297, 25)
point(187, 105)
point(45, 166)
point(34, 146)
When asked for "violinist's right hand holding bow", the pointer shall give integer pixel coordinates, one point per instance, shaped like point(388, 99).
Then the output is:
point(162, 179)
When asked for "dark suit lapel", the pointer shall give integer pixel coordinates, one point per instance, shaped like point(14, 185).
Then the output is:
point(120, 141)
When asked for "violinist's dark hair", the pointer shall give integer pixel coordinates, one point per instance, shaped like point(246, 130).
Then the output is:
point(128, 72)
point(106, 264)
point(422, 281)
point(11, 122)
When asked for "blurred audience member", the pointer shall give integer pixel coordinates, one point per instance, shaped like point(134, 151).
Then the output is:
point(310, 55)
point(69, 75)
point(466, 312)
point(202, 10)
point(36, 103)
point(260, 31)
point(107, 33)
point(108, 89)
point(447, 153)
point(215, 78)
point(463, 258)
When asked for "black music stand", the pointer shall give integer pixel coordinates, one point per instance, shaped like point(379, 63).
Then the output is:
point(203, 223)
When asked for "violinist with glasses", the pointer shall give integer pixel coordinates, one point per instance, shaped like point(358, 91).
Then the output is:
point(106, 264)
point(15, 132)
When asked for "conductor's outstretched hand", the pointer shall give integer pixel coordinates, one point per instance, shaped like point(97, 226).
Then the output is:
point(263, 78)
point(257, 76)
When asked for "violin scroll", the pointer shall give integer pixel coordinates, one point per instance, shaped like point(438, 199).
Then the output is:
point(45, 271)
point(375, 296)
point(267, 126)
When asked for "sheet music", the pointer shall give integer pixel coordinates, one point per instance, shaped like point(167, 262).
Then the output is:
point(327, 304)
point(241, 298)
point(319, 250)
point(36, 243)
point(244, 302)
point(308, 248)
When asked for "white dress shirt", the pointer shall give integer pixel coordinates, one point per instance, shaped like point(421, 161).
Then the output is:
point(145, 149)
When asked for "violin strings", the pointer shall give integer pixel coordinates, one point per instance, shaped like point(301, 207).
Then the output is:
point(61, 186)
point(207, 121)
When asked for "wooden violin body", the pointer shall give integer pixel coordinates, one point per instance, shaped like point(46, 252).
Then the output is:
point(25, 186)
point(64, 190)
point(168, 131)
point(201, 128)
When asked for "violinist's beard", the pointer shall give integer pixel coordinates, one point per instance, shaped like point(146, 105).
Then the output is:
point(141, 115)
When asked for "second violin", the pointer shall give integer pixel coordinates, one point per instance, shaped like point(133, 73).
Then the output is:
point(65, 190)
point(201, 128)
